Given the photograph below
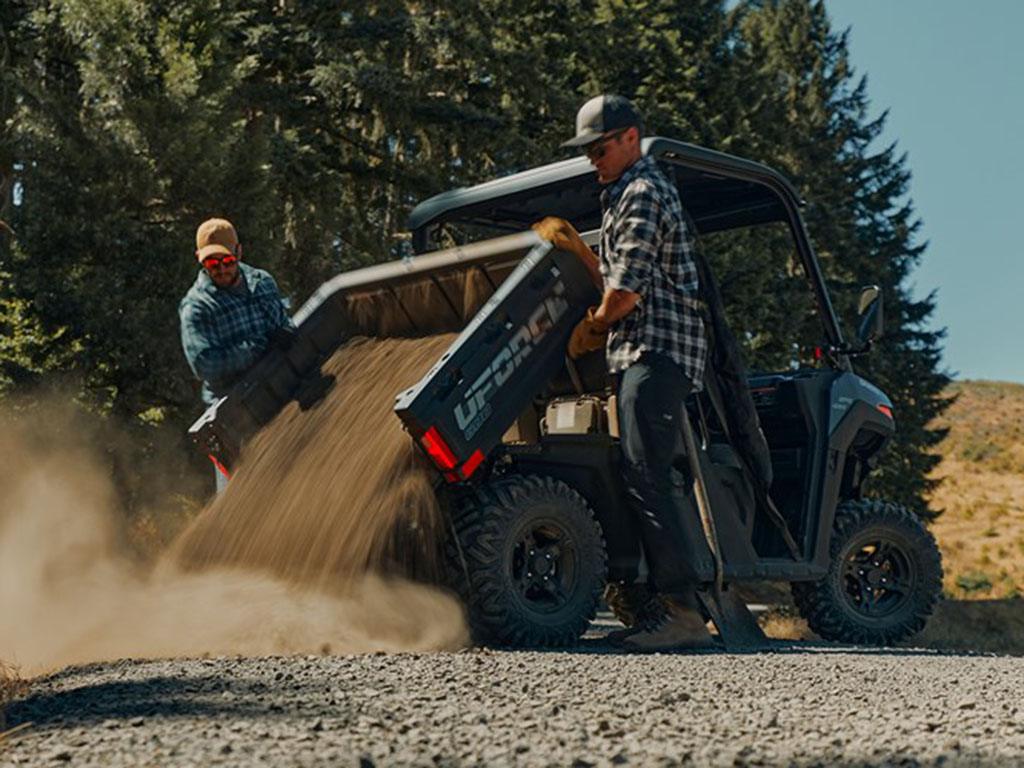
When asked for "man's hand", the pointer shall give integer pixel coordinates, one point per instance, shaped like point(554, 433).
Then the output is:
point(589, 335)
point(592, 331)
point(561, 234)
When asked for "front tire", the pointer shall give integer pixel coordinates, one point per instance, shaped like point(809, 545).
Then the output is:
point(884, 578)
point(528, 560)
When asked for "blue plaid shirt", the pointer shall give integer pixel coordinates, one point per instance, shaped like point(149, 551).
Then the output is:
point(225, 330)
point(647, 248)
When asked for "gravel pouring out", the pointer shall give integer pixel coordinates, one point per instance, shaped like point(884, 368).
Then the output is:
point(321, 543)
point(325, 495)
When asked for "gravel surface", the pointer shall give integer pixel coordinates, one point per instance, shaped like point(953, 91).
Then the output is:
point(799, 704)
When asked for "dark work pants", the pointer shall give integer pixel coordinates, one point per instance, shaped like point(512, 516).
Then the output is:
point(650, 404)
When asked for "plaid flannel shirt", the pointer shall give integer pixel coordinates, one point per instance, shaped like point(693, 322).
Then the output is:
point(647, 248)
point(224, 331)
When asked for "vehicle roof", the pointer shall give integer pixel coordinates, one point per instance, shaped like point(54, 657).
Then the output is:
point(719, 191)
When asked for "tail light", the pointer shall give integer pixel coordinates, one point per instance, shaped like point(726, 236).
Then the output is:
point(438, 450)
point(220, 467)
point(472, 464)
point(445, 458)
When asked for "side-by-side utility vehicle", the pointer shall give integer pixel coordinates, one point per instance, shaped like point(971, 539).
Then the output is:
point(525, 441)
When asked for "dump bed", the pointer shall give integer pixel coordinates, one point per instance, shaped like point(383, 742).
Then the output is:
point(504, 358)
point(439, 292)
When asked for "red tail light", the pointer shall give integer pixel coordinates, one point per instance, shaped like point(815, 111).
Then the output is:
point(220, 467)
point(438, 450)
point(886, 410)
point(471, 465)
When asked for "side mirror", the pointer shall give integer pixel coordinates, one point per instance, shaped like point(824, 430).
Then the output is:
point(869, 311)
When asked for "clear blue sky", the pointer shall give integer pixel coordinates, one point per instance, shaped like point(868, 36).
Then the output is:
point(950, 73)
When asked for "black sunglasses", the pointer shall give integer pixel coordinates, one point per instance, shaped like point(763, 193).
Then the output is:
point(597, 149)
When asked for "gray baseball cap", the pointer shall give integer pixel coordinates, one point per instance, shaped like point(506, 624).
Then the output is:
point(603, 114)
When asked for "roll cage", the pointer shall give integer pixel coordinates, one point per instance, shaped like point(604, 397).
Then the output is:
point(719, 191)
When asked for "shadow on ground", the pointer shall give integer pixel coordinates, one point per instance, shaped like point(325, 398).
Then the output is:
point(789, 635)
point(978, 626)
point(991, 626)
point(163, 697)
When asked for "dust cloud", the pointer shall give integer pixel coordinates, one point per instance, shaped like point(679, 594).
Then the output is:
point(325, 540)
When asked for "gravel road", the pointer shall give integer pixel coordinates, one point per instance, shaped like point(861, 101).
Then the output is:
point(799, 704)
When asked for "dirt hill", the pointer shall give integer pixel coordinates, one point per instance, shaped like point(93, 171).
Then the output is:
point(981, 531)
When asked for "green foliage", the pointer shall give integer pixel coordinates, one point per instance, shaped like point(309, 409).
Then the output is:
point(974, 581)
point(27, 351)
point(316, 126)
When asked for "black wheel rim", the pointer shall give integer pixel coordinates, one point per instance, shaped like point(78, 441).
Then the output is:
point(544, 566)
point(878, 575)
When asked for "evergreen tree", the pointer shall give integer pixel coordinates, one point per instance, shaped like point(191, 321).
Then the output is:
point(861, 219)
point(316, 126)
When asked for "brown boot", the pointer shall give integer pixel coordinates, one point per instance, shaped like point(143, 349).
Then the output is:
point(618, 636)
point(634, 604)
point(683, 628)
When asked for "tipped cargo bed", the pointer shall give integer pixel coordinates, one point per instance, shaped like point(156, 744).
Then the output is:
point(439, 292)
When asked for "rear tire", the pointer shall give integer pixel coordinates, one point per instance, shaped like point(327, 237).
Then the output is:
point(528, 560)
point(884, 577)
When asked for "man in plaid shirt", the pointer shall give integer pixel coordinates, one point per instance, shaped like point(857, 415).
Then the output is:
point(230, 315)
point(656, 347)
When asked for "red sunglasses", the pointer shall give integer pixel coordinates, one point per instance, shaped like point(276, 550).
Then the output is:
point(211, 262)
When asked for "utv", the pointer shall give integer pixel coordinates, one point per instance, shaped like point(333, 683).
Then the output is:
point(525, 440)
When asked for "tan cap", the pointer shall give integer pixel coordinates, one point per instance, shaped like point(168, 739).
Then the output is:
point(216, 236)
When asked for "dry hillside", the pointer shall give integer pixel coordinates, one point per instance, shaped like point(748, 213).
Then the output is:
point(981, 531)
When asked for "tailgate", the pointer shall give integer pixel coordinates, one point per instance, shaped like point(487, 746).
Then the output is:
point(503, 359)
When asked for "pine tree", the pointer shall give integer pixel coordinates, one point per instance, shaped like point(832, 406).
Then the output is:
point(814, 126)
point(316, 126)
